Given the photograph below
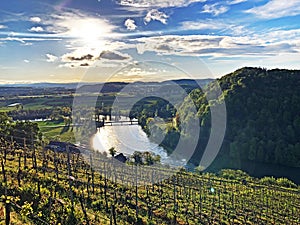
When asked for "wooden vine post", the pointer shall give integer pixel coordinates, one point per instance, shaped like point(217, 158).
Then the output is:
point(70, 176)
point(136, 194)
point(7, 200)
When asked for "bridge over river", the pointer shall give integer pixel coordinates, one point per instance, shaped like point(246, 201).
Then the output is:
point(102, 121)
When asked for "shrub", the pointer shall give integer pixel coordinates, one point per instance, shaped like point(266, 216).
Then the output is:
point(268, 181)
point(284, 182)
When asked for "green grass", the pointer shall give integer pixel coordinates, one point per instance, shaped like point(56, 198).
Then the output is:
point(35, 106)
point(56, 131)
point(59, 134)
point(49, 123)
point(5, 109)
point(37, 102)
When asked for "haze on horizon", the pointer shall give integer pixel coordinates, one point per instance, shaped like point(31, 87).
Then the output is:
point(130, 40)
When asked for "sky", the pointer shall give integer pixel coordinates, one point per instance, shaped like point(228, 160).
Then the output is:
point(149, 40)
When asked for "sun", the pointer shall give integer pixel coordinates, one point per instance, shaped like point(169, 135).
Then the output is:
point(90, 31)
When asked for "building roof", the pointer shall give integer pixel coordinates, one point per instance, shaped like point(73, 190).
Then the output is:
point(62, 147)
point(121, 158)
point(15, 104)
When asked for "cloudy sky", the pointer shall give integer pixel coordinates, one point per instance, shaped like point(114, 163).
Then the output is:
point(100, 40)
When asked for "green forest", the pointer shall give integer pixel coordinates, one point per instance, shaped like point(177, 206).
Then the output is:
point(263, 120)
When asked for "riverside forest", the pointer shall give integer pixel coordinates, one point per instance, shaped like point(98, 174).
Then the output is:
point(47, 177)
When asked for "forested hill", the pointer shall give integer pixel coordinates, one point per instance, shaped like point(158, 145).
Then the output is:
point(263, 120)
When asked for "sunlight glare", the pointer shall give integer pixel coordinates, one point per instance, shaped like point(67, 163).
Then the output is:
point(90, 31)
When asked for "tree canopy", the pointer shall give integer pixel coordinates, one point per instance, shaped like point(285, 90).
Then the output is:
point(263, 117)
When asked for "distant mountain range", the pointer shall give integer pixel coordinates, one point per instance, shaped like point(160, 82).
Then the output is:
point(43, 85)
point(187, 84)
point(86, 84)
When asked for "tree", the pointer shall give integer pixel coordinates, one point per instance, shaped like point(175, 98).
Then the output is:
point(148, 158)
point(112, 151)
point(177, 120)
point(138, 158)
point(5, 125)
point(28, 131)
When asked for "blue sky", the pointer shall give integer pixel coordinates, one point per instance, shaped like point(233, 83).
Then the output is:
point(129, 40)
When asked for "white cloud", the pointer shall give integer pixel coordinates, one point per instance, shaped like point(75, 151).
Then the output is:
point(177, 45)
point(216, 25)
point(135, 73)
point(215, 9)
point(217, 46)
point(70, 65)
point(283, 35)
point(157, 3)
point(35, 19)
point(80, 26)
point(28, 40)
point(154, 14)
point(202, 25)
point(85, 36)
point(84, 57)
point(80, 54)
point(276, 9)
point(51, 58)
point(234, 2)
point(93, 56)
point(36, 29)
point(130, 24)
point(2, 26)
point(26, 61)
point(109, 55)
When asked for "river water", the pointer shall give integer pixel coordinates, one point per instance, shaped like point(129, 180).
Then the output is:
point(127, 139)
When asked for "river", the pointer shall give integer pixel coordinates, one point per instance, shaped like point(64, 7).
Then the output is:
point(127, 139)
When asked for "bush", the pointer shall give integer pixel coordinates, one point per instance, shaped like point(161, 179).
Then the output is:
point(268, 181)
point(284, 182)
point(234, 174)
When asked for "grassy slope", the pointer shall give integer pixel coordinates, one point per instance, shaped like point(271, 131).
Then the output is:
point(56, 131)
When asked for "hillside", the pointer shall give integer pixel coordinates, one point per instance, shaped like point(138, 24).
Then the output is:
point(45, 187)
point(263, 122)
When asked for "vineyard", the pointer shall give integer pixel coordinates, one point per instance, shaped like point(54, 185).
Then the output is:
point(46, 187)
